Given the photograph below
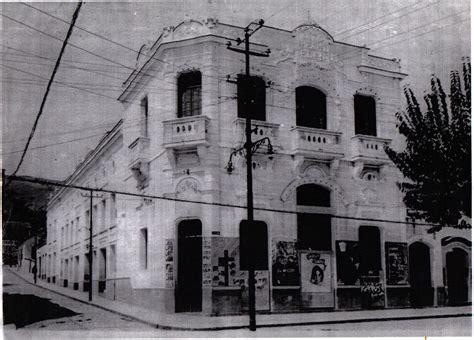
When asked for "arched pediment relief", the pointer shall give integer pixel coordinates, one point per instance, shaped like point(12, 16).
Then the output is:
point(188, 186)
point(314, 171)
point(188, 29)
point(322, 181)
point(313, 29)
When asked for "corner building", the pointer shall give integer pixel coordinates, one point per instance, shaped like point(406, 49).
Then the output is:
point(333, 225)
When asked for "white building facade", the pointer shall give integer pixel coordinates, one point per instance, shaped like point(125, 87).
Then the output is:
point(333, 225)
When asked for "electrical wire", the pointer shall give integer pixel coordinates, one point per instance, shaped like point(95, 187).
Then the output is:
point(63, 185)
point(51, 79)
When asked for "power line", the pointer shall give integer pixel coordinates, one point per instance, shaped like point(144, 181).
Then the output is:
point(35, 124)
point(182, 200)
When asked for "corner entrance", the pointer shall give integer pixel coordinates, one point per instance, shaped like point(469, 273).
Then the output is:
point(458, 272)
point(189, 281)
point(420, 275)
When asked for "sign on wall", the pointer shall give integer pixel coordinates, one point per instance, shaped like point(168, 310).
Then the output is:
point(396, 257)
point(315, 272)
point(347, 261)
point(169, 263)
point(285, 266)
point(225, 259)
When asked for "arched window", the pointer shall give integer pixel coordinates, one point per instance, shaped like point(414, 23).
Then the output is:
point(314, 228)
point(369, 250)
point(364, 115)
point(189, 94)
point(310, 107)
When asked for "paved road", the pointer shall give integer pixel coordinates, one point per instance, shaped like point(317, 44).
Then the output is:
point(24, 304)
point(67, 318)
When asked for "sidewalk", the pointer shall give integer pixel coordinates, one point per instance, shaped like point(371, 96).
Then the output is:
point(204, 322)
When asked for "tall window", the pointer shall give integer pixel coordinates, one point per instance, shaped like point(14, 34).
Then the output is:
point(314, 228)
point(364, 115)
point(113, 210)
point(369, 250)
point(251, 97)
point(103, 213)
point(310, 107)
point(144, 248)
point(189, 94)
point(144, 117)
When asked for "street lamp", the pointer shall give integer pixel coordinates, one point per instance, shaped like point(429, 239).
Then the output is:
point(254, 148)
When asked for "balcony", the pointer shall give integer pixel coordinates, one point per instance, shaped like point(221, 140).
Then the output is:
point(369, 149)
point(316, 143)
point(139, 156)
point(187, 132)
point(260, 129)
point(138, 151)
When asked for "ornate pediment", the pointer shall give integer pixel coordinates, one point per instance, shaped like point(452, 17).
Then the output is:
point(188, 29)
point(313, 47)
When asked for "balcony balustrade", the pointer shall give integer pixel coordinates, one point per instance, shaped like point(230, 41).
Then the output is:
point(317, 143)
point(260, 129)
point(369, 149)
point(186, 132)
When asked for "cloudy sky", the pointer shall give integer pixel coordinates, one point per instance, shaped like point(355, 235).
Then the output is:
point(429, 36)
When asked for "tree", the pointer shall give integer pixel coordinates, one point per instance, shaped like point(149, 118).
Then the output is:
point(436, 161)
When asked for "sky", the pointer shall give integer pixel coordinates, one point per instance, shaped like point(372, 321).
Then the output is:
point(430, 37)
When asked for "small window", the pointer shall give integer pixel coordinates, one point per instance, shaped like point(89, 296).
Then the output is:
point(313, 195)
point(310, 107)
point(189, 94)
point(144, 117)
point(144, 248)
point(369, 250)
point(364, 115)
point(251, 97)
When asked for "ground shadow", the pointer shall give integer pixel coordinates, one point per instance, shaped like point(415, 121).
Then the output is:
point(24, 310)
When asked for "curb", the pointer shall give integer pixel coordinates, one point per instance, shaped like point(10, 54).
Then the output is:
point(267, 325)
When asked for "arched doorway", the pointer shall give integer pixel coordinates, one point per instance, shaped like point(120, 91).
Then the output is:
point(189, 280)
point(457, 267)
point(420, 275)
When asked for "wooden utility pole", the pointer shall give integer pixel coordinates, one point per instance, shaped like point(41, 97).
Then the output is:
point(248, 150)
point(91, 197)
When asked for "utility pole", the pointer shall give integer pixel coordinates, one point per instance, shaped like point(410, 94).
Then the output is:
point(91, 197)
point(248, 148)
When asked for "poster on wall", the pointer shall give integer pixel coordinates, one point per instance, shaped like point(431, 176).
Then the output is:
point(225, 259)
point(285, 267)
point(315, 272)
point(347, 261)
point(206, 262)
point(396, 257)
point(169, 264)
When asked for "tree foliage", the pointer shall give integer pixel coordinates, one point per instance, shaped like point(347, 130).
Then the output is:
point(436, 161)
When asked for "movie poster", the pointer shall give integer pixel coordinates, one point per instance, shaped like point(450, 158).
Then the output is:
point(347, 260)
point(396, 256)
point(285, 267)
point(315, 272)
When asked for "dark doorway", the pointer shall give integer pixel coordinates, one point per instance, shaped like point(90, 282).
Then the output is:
point(189, 282)
point(458, 273)
point(420, 275)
